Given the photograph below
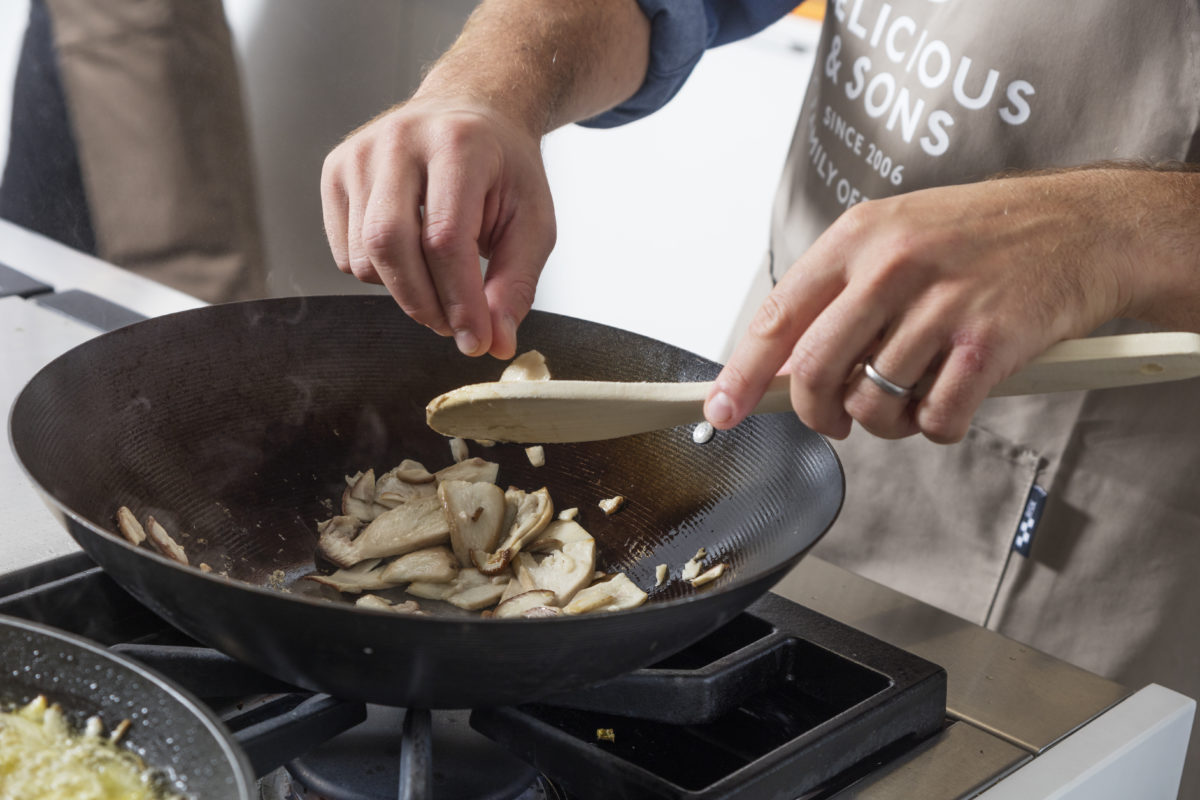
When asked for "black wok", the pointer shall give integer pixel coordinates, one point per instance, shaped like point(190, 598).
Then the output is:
point(171, 730)
point(237, 423)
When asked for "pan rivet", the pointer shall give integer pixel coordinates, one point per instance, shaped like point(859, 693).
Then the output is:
point(702, 432)
point(368, 651)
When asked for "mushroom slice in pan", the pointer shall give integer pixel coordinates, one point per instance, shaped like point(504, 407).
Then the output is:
point(541, 612)
point(432, 565)
point(336, 539)
point(130, 528)
point(163, 542)
point(376, 602)
point(529, 366)
point(474, 513)
point(533, 513)
point(407, 481)
point(473, 470)
point(615, 594)
point(566, 568)
point(471, 590)
point(409, 526)
point(358, 500)
point(517, 605)
point(366, 576)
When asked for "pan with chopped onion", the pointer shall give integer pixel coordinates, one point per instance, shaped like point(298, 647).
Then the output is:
point(80, 723)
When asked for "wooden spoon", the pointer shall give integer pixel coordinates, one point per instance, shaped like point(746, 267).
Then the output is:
point(581, 411)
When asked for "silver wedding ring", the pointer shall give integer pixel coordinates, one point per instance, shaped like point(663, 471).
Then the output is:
point(894, 389)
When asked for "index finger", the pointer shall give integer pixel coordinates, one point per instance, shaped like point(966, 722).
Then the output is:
point(805, 290)
point(454, 209)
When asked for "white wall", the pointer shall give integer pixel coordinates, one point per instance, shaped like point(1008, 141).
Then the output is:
point(662, 223)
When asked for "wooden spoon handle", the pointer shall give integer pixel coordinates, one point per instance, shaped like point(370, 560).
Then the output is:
point(578, 411)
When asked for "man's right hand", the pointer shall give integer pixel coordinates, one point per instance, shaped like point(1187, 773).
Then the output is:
point(413, 198)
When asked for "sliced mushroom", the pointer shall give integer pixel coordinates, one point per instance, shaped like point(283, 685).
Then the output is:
point(405, 482)
point(517, 605)
point(692, 568)
point(163, 542)
point(660, 574)
point(458, 450)
point(430, 565)
point(533, 513)
point(474, 513)
point(473, 470)
point(709, 575)
point(358, 500)
point(407, 527)
point(366, 576)
point(540, 612)
point(471, 590)
point(611, 505)
point(529, 366)
point(616, 594)
point(536, 455)
point(130, 528)
point(336, 539)
point(566, 568)
point(376, 602)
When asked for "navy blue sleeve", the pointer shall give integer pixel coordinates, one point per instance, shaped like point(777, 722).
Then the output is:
point(681, 30)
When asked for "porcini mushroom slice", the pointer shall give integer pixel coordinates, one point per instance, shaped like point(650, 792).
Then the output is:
point(163, 542)
point(540, 612)
point(709, 575)
point(473, 470)
point(379, 603)
point(533, 514)
point(431, 565)
point(129, 527)
point(358, 500)
point(407, 481)
point(366, 576)
point(336, 539)
point(529, 366)
point(471, 589)
point(566, 568)
point(517, 605)
point(618, 593)
point(407, 527)
point(474, 513)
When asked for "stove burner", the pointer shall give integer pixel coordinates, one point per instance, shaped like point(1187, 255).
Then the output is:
point(364, 763)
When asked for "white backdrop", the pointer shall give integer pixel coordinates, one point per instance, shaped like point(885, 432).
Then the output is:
point(662, 223)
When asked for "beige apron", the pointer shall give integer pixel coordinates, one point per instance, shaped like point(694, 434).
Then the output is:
point(908, 94)
point(156, 109)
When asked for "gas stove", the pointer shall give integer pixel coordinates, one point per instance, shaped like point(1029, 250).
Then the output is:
point(830, 687)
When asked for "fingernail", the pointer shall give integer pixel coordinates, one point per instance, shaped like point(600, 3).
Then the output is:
point(719, 409)
point(468, 343)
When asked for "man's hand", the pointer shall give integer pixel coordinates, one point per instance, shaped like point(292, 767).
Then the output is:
point(413, 199)
point(956, 288)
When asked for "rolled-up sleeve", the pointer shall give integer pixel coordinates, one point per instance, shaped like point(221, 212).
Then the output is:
point(681, 30)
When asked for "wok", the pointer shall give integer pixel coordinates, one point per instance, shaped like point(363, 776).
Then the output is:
point(237, 424)
point(171, 730)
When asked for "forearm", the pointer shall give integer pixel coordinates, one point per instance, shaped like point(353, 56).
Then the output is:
point(545, 63)
point(1161, 259)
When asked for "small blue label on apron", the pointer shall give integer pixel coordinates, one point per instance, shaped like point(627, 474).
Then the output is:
point(1023, 540)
